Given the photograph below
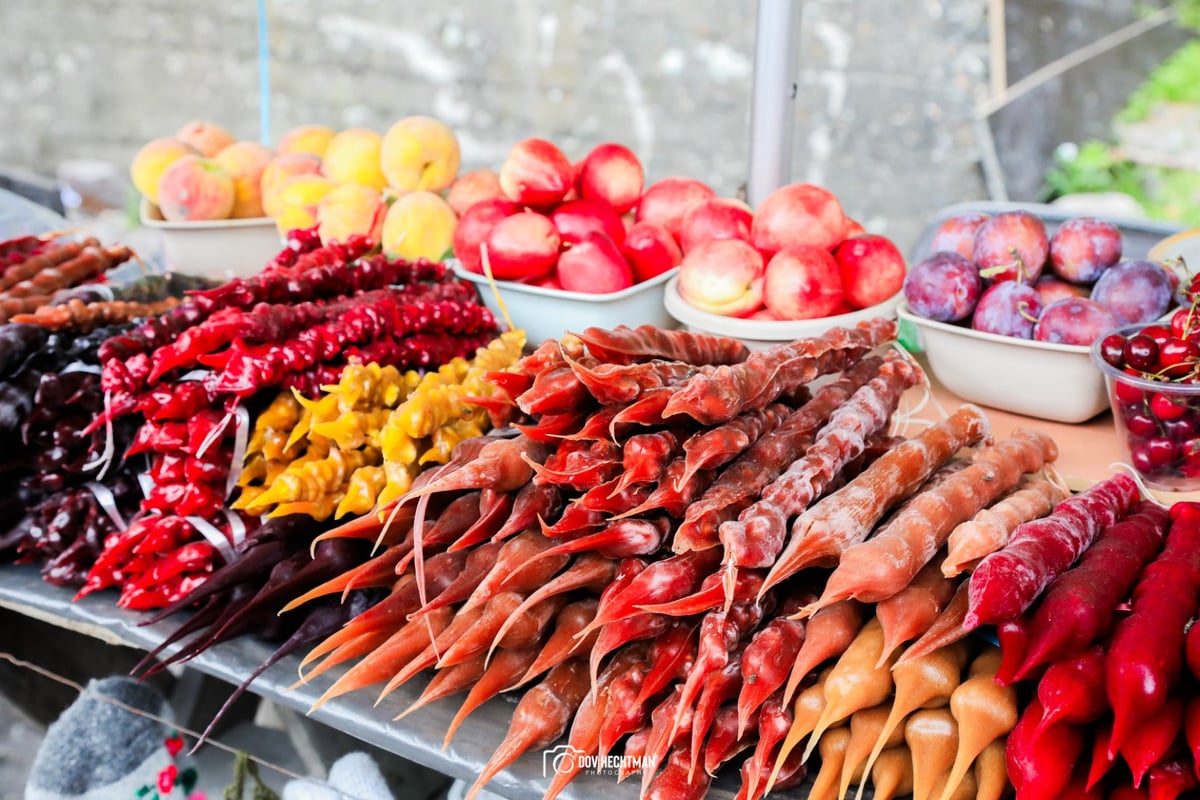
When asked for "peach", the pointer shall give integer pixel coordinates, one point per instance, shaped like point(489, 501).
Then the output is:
point(353, 156)
point(595, 266)
point(276, 173)
point(522, 247)
point(419, 225)
point(872, 269)
point(473, 187)
point(311, 139)
point(245, 161)
point(420, 154)
point(715, 218)
point(208, 138)
point(803, 282)
point(650, 250)
point(298, 199)
point(576, 219)
point(853, 228)
point(612, 174)
point(152, 161)
point(668, 200)
point(536, 174)
point(474, 226)
point(764, 314)
point(724, 276)
point(798, 214)
point(350, 209)
point(195, 188)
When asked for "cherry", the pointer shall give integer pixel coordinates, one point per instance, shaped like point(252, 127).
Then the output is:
point(1159, 333)
point(1191, 449)
point(1140, 458)
point(1112, 349)
point(1178, 357)
point(1126, 392)
point(1165, 407)
point(1161, 451)
point(1178, 429)
point(1141, 352)
point(1141, 425)
point(1180, 323)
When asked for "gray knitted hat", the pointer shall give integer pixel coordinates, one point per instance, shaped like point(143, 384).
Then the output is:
point(100, 751)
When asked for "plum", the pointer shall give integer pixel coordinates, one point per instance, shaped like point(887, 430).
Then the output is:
point(1075, 320)
point(943, 287)
point(1082, 248)
point(957, 234)
point(1011, 247)
point(1135, 291)
point(1008, 309)
point(1053, 289)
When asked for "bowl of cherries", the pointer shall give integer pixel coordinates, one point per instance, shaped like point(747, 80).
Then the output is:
point(1153, 377)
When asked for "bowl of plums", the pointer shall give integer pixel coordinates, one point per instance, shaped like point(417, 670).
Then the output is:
point(1007, 305)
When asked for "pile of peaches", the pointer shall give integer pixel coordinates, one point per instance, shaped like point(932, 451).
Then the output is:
point(593, 226)
point(389, 186)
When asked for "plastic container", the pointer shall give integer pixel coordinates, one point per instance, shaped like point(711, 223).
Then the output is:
point(220, 249)
point(759, 334)
point(548, 313)
point(1185, 245)
point(1049, 381)
point(1157, 437)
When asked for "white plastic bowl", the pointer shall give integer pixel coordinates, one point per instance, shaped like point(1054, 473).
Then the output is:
point(759, 334)
point(549, 313)
point(1055, 382)
point(219, 249)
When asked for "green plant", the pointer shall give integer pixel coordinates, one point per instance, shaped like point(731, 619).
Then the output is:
point(1092, 167)
point(1175, 80)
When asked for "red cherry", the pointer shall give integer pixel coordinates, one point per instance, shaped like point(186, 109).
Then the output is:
point(1126, 392)
point(1191, 449)
point(1112, 350)
point(1140, 459)
point(1177, 357)
point(1164, 406)
point(1141, 425)
point(1179, 323)
point(1180, 429)
point(1159, 333)
point(1141, 352)
point(1162, 451)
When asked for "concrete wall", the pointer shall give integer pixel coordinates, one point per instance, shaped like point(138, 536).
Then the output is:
point(886, 93)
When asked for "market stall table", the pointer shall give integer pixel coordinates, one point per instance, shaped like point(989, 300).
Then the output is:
point(416, 737)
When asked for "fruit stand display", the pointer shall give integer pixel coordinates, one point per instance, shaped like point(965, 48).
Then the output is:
point(716, 566)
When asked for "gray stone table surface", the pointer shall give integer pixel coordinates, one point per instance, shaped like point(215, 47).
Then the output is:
point(417, 737)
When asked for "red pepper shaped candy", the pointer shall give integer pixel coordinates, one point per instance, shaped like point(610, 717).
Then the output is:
point(1041, 766)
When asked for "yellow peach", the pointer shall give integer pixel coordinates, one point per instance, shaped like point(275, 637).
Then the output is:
point(353, 157)
point(195, 188)
point(299, 197)
point(472, 187)
point(420, 154)
point(419, 225)
point(311, 139)
point(282, 167)
point(152, 161)
point(350, 209)
point(207, 137)
point(245, 161)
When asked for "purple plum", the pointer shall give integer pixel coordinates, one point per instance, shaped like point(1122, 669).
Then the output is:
point(1011, 247)
point(943, 287)
point(1052, 289)
point(1075, 320)
point(1082, 248)
point(957, 234)
point(1135, 291)
point(1008, 309)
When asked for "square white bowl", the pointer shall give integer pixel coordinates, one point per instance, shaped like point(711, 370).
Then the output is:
point(549, 313)
point(219, 249)
point(1056, 382)
point(759, 334)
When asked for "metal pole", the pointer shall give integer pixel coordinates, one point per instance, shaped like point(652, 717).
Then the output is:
point(773, 105)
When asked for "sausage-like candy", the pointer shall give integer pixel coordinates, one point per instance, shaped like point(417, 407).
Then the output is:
point(625, 345)
point(847, 516)
point(1006, 583)
point(988, 531)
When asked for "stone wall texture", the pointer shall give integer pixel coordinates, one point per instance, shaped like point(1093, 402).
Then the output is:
point(887, 89)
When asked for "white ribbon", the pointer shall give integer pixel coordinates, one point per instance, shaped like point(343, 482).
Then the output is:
point(214, 435)
point(105, 459)
point(241, 440)
point(237, 526)
point(108, 502)
point(195, 375)
point(146, 482)
point(79, 366)
point(214, 536)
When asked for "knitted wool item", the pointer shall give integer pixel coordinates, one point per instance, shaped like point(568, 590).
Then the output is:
point(354, 776)
point(100, 751)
